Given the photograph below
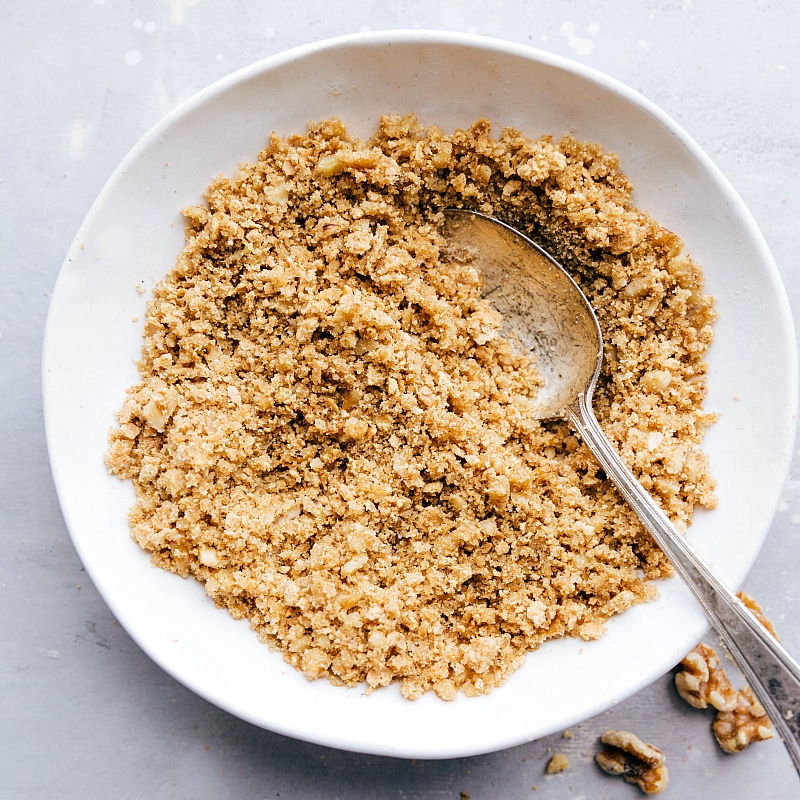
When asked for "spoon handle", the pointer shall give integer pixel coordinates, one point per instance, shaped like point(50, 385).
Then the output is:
point(771, 672)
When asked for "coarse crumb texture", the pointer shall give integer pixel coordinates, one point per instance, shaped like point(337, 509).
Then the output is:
point(332, 435)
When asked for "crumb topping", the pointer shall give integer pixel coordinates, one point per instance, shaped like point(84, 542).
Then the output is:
point(331, 434)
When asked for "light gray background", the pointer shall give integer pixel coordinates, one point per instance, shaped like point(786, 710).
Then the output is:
point(84, 714)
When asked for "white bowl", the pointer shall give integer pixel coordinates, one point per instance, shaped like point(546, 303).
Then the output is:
point(131, 238)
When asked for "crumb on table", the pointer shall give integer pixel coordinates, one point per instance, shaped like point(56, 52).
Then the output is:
point(558, 763)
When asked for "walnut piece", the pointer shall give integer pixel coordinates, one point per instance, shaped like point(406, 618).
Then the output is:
point(627, 755)
point(740, 718)
point(756, 611)
point(558, 763)
point(746, 722)
point(703, 683)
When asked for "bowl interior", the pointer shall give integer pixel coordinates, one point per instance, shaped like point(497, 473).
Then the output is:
point(132, 236)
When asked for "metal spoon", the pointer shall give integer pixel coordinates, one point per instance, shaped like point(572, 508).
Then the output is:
point(546, 312)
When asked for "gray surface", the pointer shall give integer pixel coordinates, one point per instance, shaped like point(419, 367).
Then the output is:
point(84, 713)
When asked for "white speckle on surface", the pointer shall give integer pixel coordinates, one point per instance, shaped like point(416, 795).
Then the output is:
point(77, 138)
point(471, 29)
point(99, 2)
point(580, 45)
point(783, 506)
point(218, 57)
point(178, 9)
point(269, 33)
point(771, 69)
point(133, 57)
point(645, 46)
point(54, 654)
point(594, 28)
point(795, 519)
point(138, 23)
point(149, 27)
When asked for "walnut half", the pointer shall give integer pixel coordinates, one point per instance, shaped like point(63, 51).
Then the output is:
point(703, 683)
point(746, 722)
point(627, 755)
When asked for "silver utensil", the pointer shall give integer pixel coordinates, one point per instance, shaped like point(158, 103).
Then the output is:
point(545, 311)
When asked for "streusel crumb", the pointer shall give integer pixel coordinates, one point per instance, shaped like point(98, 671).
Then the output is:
point(332, 436)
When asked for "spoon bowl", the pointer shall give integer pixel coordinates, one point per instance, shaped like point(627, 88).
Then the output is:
point(546, 312)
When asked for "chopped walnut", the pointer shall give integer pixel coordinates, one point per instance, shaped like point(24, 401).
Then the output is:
point(756, 611)
point(627, 755)
point(740, 718)
point(703, 683)
point(746, 722)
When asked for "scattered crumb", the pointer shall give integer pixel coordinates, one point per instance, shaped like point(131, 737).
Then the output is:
point(568, 734)
point(558, 763)
point(331, 434)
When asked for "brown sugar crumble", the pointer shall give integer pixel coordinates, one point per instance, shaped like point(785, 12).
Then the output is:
point(332, 436)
